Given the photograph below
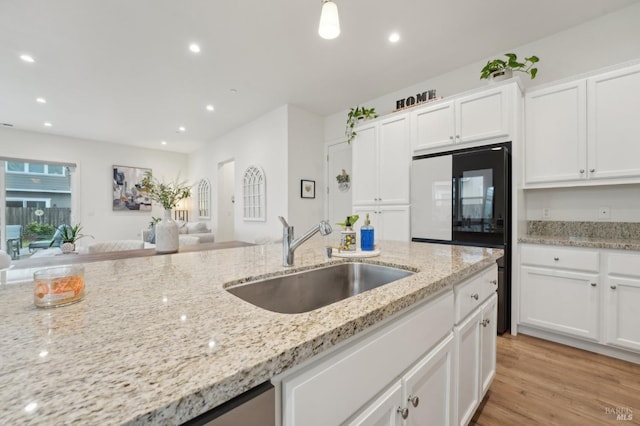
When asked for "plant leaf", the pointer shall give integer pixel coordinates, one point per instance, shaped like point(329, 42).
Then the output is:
point(534, 71)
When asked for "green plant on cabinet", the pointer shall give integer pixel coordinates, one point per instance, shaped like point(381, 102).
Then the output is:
point(511, 63)
point(355, 114)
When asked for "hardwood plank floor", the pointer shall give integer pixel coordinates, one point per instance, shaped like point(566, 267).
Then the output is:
point(544, 383)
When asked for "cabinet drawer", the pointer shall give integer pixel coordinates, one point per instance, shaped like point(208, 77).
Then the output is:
point(624, 264)
point(473, 292)
point(331, 390)
point(558, 257)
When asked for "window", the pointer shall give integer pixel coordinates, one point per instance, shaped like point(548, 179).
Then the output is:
point(204, 199)
point(254, 194)
point(36, 168)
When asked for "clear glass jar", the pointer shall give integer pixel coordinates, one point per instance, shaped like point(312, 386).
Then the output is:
point(58, 286)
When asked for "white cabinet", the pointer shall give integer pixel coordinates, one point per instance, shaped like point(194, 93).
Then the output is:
point(555, 128)
point(477, 117)
point(559, 290)
point(613, 124)
point(584, 132)
point(621, 301)
point(389, 222)
point(381, 162)
point(475, 332)
point(422, 396)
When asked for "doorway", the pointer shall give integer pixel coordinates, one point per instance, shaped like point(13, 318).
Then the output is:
point(226, 201)
point(339, 191)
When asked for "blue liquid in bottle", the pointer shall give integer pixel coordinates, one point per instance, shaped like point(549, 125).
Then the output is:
point(367, 236)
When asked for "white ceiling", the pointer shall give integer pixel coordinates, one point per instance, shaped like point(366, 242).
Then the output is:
point(120, 70)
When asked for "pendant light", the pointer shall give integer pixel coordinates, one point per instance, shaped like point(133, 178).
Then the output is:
point(329, 22)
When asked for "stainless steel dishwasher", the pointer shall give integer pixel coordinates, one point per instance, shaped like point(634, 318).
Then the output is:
point(255, 407)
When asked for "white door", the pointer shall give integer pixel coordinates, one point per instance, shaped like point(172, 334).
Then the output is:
point(429, 387)
point(556, 133)
point(226, 201)
point(467, 336)
point(483, 116)
point(432, 126)
point(613, 125)
point(394, 160)
point(393, 223)
point(560, 300)
point(338, 195)
point(622, 298)
point(431, 197)
point(383, 411)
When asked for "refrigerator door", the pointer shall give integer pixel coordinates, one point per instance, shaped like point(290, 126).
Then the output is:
point(431, 198)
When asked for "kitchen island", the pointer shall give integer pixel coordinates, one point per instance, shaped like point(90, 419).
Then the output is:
point(159, 340)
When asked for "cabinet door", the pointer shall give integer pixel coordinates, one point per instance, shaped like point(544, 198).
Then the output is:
point(488, 331)
point(394, 160)
point(432, 126)
point(365, 168)
point(622, 298)
point(613, 125)
point(467, 336)
point(393, 223)
point(383, 411)
point(483, 116)
point(555, 126)
point(428, 387)
point(374, 218)
point(560, 300)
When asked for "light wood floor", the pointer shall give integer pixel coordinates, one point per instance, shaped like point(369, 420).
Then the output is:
point(543, 383)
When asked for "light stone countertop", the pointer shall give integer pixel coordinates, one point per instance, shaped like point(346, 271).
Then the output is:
point(157, 340)
point(587, 242)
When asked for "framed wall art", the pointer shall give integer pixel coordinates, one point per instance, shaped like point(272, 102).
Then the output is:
point(127, 195)
point(307, 188)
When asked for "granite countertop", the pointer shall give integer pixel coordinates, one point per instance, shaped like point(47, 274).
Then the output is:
point(158, 339)
point(588, 242)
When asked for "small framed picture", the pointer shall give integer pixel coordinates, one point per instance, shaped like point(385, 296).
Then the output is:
point(307, 188)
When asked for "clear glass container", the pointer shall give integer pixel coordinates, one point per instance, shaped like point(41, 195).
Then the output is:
point(58, 286)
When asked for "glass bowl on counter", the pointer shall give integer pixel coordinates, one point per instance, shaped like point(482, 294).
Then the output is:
point(58, 286)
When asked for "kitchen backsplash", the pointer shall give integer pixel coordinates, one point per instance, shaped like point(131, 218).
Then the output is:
point(615, 230)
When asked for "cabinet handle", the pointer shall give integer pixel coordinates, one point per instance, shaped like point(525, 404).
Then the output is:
point(414, 400)
point(404, 412)
point(592, 170)
point(556, 258)
point(593, 284)
point(581, 171)
point(613, 287)
point(475, 296)
point(485, 322)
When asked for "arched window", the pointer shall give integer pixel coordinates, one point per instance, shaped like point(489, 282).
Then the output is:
point(204, 199)
point(254, 194)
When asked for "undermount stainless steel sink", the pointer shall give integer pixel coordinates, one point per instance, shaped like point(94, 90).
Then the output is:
point(308, 290)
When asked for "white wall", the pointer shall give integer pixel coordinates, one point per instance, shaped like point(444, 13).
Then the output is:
point(305, 160)
point(95, 161)
point(610, 39)
point(583, 204)
point(262, 142)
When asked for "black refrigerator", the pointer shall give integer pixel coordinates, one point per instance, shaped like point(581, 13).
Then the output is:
point(464, 197)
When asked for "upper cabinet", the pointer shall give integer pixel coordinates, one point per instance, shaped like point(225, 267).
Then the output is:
point(381, 162)
point(477, 117)
point(584, 132)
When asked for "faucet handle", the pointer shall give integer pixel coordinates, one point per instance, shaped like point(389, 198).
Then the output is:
point(283, 221)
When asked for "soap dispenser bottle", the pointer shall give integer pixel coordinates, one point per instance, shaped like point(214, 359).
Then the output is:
point(366, 236)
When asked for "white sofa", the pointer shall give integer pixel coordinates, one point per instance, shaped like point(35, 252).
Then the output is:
point(190, 233)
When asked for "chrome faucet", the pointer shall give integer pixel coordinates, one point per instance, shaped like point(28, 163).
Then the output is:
point(289, 245)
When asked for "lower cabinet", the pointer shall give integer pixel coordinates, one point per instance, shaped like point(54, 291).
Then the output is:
point(621, 301)
point(389, 222)
point(475, 341)
point(421, 397)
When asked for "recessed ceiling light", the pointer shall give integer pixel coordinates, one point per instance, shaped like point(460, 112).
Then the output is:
point(41, 100)
point(194, 48)
point(210, 107)
point(394, 37)
point(182, 129)
point(163, 143)
point(27, 58)
point(47, 124)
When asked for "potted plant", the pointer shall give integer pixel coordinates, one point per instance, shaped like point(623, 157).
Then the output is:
point(355, 114)
point(69, 235)
point(499, 69)
point(343, 181)
point(167, 195)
